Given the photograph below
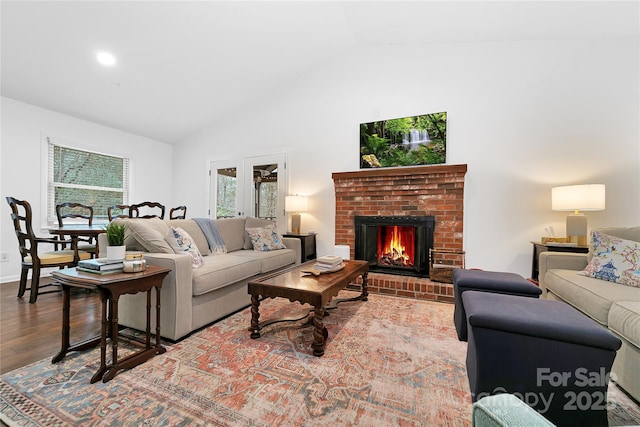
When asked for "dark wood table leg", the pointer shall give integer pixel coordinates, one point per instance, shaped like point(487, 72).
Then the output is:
point(103, 339)
point(66, 302)
point(320, 333)
point(113, 368)
point(66, 345)
point(255, 316)
point(365, 287)
point(159, 348)
point(147, 339)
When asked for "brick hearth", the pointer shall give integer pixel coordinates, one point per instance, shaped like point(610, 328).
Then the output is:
point(436, 190)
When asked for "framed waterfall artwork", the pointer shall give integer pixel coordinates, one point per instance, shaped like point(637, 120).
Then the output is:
point(407, 141)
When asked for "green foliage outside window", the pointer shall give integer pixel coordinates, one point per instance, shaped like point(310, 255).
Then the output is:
point(89, 178)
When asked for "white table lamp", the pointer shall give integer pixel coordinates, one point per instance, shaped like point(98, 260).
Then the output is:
point(296, 204)
point(576, 198)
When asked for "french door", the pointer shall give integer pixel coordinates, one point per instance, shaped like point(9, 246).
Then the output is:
point(250, 186)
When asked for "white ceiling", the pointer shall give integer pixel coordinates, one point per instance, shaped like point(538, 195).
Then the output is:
point(183, 65)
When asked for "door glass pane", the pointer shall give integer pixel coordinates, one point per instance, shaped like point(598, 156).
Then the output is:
point(265, 179)
point(226, 180)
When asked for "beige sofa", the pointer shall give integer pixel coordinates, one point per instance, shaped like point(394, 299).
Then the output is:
point(194, 297)
point(613, 305)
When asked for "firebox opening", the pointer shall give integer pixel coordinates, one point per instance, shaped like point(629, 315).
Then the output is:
point(396, 246)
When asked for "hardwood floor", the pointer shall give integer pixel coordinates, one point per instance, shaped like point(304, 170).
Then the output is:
point(32, 332)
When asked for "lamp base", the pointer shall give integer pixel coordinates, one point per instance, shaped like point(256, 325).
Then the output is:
point(577, 229)
point(578, 240)
point(295, 223)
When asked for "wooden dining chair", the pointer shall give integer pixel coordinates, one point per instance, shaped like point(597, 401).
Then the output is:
point(78, 212)
point(179, 212)
point(135, 210)
point(33, 257)
point(118, 211)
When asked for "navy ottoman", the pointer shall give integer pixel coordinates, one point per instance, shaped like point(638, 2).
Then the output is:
point(486, 281)
point(551, 356)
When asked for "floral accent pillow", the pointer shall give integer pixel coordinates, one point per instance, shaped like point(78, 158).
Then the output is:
point(265, 238)
point(182, 242)
point(614, 259)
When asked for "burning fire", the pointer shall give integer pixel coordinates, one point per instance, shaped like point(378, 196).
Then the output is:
point(397, 247)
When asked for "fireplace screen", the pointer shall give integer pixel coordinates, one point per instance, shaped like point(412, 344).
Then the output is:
point(395, 245)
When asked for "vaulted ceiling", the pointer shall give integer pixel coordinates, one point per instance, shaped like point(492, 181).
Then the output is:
point(183, 65)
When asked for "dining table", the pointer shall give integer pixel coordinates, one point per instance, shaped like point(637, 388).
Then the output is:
point(75, 231)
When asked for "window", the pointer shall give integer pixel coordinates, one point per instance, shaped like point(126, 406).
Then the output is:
point(81, 176)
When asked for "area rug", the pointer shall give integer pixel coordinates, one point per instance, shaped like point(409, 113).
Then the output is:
point(388, 362)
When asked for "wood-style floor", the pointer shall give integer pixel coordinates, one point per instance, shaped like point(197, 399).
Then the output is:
point(32, 332)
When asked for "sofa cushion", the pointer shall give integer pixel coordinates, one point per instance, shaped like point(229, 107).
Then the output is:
point(146, 234)
point(222, 270)
point(232, 232)
point(624, 320)
point(253, 223)
point(614, 259)
point(591, 296)
point(194, 230)
point(270, 260)
point(266, 238)
point(181, 242)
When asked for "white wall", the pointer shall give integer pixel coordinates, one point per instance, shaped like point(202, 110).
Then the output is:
point(524, 116)
point(22, 128)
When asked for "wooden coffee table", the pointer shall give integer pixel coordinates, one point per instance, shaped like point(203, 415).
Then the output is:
point(111, 287)
point(295, 285)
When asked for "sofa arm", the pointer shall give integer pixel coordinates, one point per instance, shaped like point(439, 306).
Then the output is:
point(559, 260)
point(295, 244)
point(176, 295)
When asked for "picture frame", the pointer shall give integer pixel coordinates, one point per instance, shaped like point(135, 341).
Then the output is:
point(405, 141)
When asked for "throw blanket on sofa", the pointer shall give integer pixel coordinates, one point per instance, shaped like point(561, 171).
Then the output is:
point(216, 243)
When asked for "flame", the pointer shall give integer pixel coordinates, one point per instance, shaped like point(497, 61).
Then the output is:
point(395, 247)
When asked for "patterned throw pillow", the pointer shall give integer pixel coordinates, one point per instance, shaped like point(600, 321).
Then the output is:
point(181, 242)
point(614, 259)
point(265, 238)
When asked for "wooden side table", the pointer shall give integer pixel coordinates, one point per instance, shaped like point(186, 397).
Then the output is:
point(308, 244)
point(550, 247)
point(111, 287)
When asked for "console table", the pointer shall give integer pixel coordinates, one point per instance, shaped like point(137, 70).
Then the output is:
point(308, 245)
point(550, 247)
point(111, 287)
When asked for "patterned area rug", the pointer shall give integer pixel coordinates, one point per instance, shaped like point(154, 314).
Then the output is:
point(388, 361)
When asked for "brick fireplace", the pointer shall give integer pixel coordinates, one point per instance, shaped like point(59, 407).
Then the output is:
point(436, 190)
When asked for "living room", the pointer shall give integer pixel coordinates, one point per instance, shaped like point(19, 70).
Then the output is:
point(538, 95)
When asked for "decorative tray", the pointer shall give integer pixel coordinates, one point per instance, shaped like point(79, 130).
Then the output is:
point(317, 272)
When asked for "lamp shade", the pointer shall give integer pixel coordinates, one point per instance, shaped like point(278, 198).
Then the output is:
point(589, 197)
point(296, 203)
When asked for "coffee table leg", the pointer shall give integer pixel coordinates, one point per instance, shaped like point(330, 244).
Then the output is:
point(320, 333)
point(255, 315)
point(365, 288)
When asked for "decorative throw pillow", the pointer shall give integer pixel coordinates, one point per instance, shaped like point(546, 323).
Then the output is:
point(146, 233)
point(265, 238)
point(614, 259)
point(182, 242)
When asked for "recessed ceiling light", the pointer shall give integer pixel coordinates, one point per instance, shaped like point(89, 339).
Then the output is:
point(105, 58)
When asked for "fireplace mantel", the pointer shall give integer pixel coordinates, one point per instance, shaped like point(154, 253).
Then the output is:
point(434, 190)
point(402, 171)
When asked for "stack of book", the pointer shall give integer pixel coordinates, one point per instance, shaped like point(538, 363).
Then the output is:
point(101, 265)
point(328, 262)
